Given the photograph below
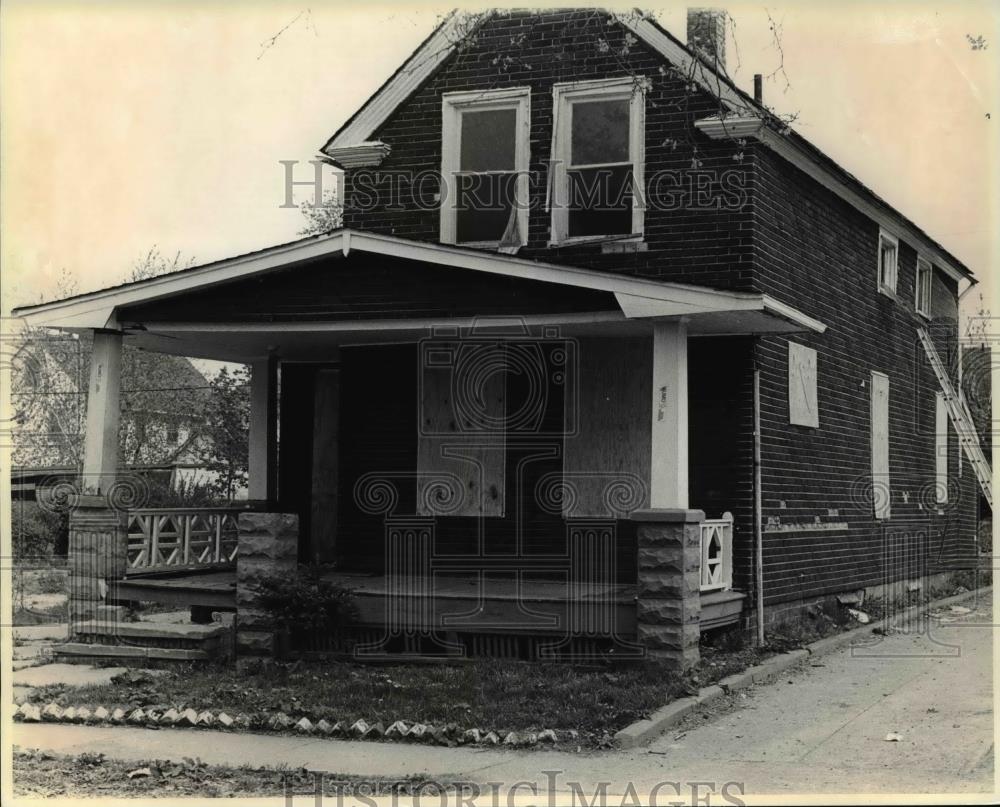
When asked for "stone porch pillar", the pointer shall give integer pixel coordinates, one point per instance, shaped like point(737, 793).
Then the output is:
point(268, 547)
point(98, 547)
point(669, 585)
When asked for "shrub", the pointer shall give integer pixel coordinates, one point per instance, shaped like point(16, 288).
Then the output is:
point(306, 602)
point(38, 533)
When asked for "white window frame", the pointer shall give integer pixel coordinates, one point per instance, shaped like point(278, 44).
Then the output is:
point(923, 266)
point(564, 95)
point(453, 104)
point(890, 286)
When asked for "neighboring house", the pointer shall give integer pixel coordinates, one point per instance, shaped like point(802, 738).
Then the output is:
point(482, 398)
point(162, 412)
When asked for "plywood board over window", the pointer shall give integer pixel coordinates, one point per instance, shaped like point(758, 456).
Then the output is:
point(880, 445)
point(461, 447)
point(607, 460)
point(941, 449)
point(803, 405)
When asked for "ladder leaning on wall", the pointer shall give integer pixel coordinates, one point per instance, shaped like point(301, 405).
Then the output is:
point(961, 419)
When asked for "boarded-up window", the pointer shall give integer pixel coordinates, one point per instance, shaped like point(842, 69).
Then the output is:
point(461, 439)
point(880, 445)
point(802, 404)
point(941, 449)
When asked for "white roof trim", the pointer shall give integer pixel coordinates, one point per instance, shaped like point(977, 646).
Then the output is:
point(636, 307)
point(441, 45)
point(361, 155)
point(98, 309)
point(438, 47)
point(678, 55)
point(753, 126)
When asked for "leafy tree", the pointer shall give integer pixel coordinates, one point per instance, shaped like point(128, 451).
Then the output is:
point(50, 374)
point(324, 217)
point(227, 429)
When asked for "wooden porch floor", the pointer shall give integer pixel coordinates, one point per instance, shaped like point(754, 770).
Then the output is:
point(461, 603)
point(215, 589)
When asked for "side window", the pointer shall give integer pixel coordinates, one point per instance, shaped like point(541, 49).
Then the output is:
point(923, 292)
point(802, 400)
point(880, 444)
point(484, 168)
point(888, 257)
point(597, 160)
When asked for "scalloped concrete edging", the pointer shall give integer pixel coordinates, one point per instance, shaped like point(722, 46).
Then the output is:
point(643, 731)
point(401, 730)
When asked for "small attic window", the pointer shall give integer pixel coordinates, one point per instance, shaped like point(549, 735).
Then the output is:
point(888, 262)
point(484, 165)
point(923, 291)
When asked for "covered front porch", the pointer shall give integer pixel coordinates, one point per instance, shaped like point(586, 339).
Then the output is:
point(475, 444)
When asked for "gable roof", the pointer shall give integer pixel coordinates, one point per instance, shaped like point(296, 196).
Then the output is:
point(769, 130)
point(635, 298)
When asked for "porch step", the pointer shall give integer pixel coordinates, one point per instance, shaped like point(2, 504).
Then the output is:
point(82, 653)
point(145, 641)
point(180, 632)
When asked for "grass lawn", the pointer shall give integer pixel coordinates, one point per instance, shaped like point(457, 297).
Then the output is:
point(595, 700)
point(43, 774)
point(489, 694)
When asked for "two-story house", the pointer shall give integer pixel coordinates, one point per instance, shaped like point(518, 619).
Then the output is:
point(603, 356)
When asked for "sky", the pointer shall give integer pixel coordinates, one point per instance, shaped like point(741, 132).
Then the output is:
point(129, 126)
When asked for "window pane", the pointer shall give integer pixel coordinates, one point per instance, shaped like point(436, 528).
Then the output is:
point(600, 201)
point(923, 286)
point(600, 132)
point(484, 205)
point(488, 140)
point(887, 264)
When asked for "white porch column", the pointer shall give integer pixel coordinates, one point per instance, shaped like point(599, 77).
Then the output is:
point(100, 447)
point(263, 429)
point(668, 478)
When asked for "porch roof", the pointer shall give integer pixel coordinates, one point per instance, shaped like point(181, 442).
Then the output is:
point(579, 300)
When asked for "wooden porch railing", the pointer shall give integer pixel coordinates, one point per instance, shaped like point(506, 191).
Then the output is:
point(717, 553)
point(178, 538)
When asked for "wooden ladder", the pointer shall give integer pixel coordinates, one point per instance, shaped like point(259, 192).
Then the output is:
point(961, 418)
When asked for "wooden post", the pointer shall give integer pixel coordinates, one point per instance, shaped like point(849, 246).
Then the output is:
point(668, 482)
point(100, 448)
point(263, 482)
point(325, 466)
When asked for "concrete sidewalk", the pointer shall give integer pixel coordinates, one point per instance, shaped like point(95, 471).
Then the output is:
point(818, 729)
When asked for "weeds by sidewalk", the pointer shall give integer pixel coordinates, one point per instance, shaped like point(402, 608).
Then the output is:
point(37, 773)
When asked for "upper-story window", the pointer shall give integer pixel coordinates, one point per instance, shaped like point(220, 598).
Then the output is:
point(597, 160)
point(484, 167)
point(923, 298)
point(888, 262)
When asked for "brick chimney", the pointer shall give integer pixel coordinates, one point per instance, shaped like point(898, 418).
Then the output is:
point(706, 34)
